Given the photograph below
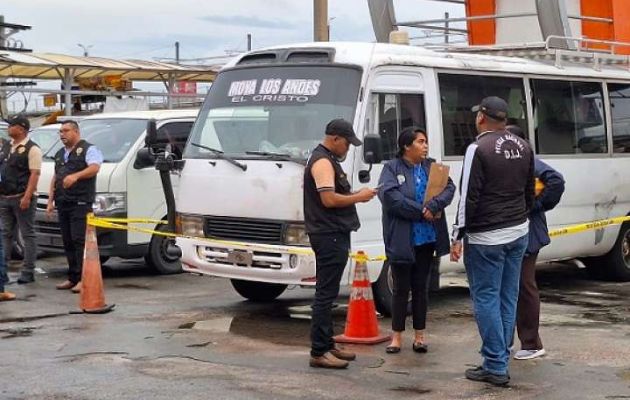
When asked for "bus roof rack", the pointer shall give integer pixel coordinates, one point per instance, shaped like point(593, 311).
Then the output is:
point(592, 51)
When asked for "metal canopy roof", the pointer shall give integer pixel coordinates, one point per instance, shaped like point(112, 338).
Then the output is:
point(57, 66)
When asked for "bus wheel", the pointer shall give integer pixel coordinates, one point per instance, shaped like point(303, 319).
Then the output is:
point(383, 287)
point(159, 257)
point(617, 261)
point(258, 291)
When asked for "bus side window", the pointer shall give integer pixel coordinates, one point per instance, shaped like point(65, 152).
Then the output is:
point(620, 110)
point(459, 93)
point(395, 113)
point(569, 117)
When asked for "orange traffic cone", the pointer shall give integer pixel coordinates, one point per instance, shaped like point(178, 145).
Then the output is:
point(361, 324)
point(92, 299)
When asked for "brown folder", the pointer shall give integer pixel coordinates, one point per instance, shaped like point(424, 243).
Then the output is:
point(438, 179)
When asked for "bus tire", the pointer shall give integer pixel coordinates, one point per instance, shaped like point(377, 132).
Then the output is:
point(382, 290)
point(158, 257)
point(258, 291)
point(383, 287)
point(616, 263)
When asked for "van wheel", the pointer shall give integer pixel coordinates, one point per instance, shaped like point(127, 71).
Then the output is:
point(617, 262)
point(383, 287)
point(258, 291)
point(158, 257)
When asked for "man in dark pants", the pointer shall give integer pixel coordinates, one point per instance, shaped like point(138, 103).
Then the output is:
point(21, 162)
point(330, 215)
point(497, 192)
point(72, 191)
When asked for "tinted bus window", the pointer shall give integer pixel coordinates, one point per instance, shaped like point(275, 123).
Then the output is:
point(395, 113)
point(569, 117)
point(620, 110)
point(459, 93)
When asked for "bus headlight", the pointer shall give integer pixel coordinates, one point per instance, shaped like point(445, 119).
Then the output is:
point(109, 203)
point(191, 225)
point(295, 234)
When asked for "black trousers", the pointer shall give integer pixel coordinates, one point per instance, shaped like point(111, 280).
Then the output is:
point(331, 255)
point(528, 308)
point(415, 277)
point(72, 221)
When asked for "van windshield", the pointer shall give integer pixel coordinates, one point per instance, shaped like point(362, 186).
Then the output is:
point(260, 111)
point(112, 136)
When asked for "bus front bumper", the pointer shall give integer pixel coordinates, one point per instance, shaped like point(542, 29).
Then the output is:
point(289, 265)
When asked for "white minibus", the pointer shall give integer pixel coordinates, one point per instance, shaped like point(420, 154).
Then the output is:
point(267, 110)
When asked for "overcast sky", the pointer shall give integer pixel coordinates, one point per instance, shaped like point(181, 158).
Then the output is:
point(147, 29)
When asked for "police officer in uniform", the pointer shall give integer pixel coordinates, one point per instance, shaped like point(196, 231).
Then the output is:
point(330, 215)
point(21, 162)
point(72, 191)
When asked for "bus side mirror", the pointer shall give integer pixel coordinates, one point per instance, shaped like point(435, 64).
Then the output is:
point(150, 140)
point(372, 154)
point(144, 159)
point(372, 149)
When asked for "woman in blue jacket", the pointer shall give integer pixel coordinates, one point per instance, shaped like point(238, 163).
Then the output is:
point(413, 232)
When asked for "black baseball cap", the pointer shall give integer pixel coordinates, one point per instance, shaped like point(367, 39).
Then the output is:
point(343, 128)
point(21, 121)
point(494, 107)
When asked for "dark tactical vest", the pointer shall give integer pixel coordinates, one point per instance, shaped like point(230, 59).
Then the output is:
point(320, 219)
point(14, 171)
point(83, 190)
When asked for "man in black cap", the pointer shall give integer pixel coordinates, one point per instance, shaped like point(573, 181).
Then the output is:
point(20, 166)
point(330, 215)
point(496, 194)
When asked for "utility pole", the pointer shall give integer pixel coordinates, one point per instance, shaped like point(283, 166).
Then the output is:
point(320, 20)
point(176, 52)
point(4, 110)
point(249, 42)
point(446, 26)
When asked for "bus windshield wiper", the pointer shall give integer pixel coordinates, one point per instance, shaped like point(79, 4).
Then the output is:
point(222, 156)
point(277, 156)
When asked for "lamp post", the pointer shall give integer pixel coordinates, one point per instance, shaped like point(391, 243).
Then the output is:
point(85, 48)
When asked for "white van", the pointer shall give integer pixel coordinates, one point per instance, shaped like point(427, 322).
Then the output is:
point(576, 114)
point(127, 184)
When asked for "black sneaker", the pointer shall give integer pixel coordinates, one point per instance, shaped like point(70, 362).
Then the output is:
point(26, 278)
point(481, 375)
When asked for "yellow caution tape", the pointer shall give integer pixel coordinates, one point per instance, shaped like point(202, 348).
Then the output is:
point(588, 226)
point(123, 224)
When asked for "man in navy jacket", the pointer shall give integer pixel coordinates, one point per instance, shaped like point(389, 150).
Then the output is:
point(528, 308)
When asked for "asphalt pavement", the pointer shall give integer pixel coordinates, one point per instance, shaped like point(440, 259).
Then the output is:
point(190, 337)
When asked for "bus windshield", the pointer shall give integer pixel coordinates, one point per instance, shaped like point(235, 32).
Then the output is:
point(258, 111)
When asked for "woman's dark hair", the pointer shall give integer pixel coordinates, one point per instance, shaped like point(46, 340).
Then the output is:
point(407, 136)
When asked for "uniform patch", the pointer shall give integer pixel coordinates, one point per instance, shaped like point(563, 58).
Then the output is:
point(401, 179)
point(79, 151)
point(21, 150)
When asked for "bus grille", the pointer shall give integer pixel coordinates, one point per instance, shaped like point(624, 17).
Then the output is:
point(244, 229)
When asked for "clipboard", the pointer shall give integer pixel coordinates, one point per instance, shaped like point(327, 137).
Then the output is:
point(438, 179)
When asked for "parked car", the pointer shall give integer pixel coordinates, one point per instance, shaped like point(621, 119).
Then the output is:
point(127, 185)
